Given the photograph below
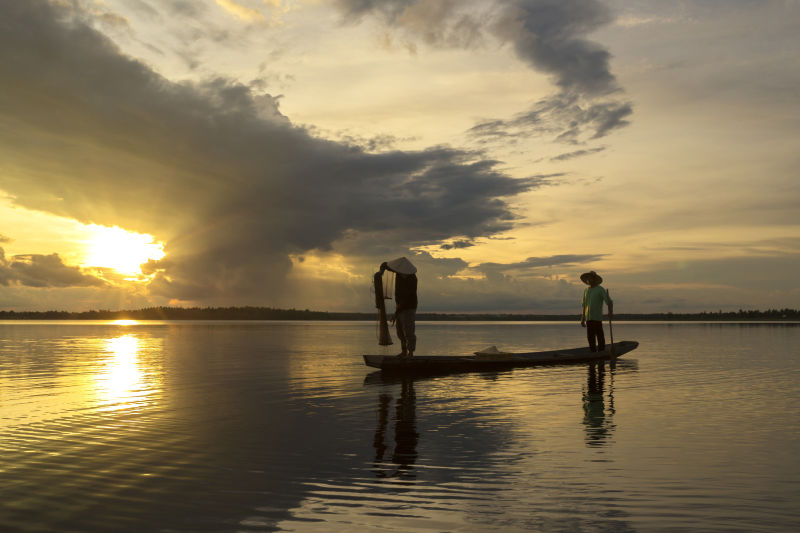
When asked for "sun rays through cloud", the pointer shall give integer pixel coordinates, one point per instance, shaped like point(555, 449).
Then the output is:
point(121, 250)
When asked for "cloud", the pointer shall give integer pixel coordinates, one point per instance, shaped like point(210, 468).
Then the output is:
point(540, 262)
point(457, 244)
point(252, 11)
point(740, 282)
point(188, 30)
point(36, 270)
point(578, 153)
point(535, 267)
point(567, 118)
point(242, 12)
point(213, 168)
point(537, 285)
point(185, 8)
point(548, 35)
point(547, 284)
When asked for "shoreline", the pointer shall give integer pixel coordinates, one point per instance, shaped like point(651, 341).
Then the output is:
point(270, 314)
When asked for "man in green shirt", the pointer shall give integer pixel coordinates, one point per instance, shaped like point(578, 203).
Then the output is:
point(592, 310)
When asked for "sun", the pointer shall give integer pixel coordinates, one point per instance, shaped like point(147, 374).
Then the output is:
point(121, 250)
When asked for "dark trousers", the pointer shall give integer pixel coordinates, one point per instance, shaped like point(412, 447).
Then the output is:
point(594, 332)
point(404, 321)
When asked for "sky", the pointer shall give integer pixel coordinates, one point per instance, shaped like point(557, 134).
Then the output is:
point(275, 152)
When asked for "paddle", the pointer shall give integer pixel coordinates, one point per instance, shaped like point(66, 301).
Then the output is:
point(613, 360)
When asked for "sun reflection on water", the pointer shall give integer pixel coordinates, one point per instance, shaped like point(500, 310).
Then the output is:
point(121, 381)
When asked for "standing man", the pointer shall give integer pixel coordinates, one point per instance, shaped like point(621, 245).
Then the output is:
point(405, 300)
point(592, 310)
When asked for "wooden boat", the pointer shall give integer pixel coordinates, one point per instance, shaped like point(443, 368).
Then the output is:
point(492, 359)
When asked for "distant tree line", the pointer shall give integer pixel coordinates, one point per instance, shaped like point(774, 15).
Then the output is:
point(186, 313)
point(269, 313)
point(741, 314)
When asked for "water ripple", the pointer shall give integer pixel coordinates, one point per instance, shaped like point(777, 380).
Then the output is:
point(279, 427)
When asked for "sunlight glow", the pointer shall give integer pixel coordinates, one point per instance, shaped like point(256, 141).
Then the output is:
point(321, 265)
point(121, 250)
point(124, 322)
point(122, 379)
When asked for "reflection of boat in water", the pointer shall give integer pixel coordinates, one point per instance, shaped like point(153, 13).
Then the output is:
point(492, 360)
point(398, 433)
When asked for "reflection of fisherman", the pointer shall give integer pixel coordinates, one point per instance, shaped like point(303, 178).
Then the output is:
point(598, 425)
point(592, 310)
point(405, 300)
point(405, 431)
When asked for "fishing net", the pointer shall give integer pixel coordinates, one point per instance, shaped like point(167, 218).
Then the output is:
point(382, 291)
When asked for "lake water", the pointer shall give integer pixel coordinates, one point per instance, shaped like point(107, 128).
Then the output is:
point(276, 426)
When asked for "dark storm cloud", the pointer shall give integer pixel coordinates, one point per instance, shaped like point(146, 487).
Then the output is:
point(566, 117)
point(457, 244)
point(549, 35)
point(212, 168)
point(36, 270)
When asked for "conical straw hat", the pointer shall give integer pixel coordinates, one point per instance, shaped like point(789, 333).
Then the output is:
point(588, 277)
point(401, 265)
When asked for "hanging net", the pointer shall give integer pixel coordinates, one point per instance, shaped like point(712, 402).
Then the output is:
point(379, 289)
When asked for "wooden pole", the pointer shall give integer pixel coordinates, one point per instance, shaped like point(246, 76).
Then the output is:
point(613, 360)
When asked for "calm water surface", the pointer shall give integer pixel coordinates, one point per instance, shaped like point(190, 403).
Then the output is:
point(268, 426)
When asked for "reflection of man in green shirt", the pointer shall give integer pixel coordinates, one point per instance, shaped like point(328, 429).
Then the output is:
point(592, 310)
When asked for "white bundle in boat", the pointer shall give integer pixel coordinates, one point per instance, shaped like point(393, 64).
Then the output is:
point(491, 352)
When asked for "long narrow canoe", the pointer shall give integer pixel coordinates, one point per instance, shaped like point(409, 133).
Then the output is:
point(421, 364)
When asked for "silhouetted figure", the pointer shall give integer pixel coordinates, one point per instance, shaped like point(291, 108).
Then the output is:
point(592, 310)
point(405, 301)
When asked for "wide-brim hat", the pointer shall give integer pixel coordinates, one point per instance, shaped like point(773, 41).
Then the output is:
point(401, 265)
point(588, 277)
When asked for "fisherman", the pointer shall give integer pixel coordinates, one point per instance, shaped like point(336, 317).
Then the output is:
point(405, 301)
point(592, 310)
